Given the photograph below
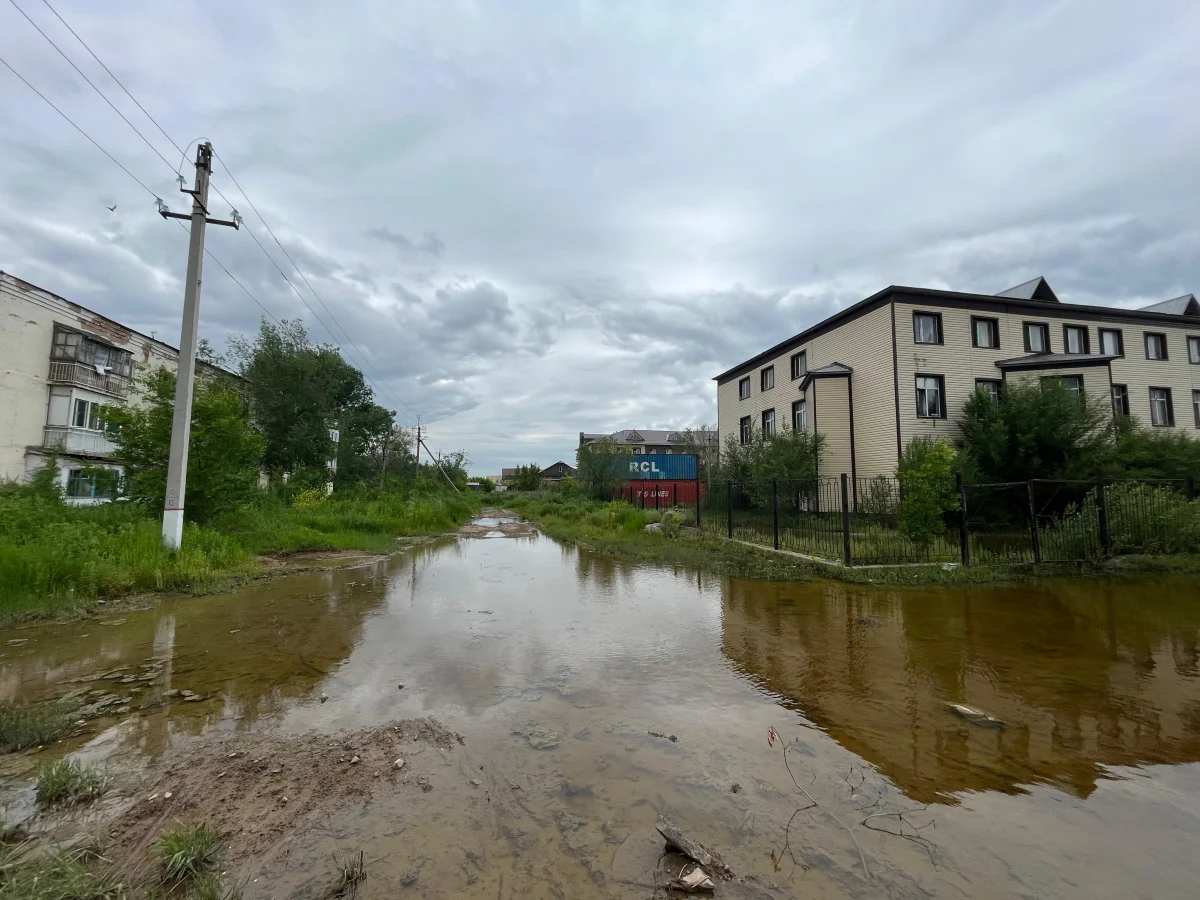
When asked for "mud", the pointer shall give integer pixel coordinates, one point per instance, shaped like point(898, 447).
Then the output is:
point(494, 522)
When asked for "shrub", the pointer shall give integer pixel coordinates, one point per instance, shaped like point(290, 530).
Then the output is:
point(186, 852)
point(1142, 518)
point(603, 465)
point(927, 489)
point(527, 478)
point(784, 456)
point(66, 782)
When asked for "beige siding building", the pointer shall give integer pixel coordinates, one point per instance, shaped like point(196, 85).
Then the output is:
point(59, 364)
point(904, 361)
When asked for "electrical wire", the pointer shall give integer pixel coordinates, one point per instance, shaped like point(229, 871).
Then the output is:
point(362, 357)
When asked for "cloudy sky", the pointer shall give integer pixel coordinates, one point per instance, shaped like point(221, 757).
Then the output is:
point(536, 218)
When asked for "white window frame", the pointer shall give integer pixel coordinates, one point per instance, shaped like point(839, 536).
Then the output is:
point(1116, 334)
point(1082, 332)
point(1157, 336)
point(745, 430)
point(1193, 344)
point(938, 385)
point(992, 330)
point(1040, 327)
point(800, 414)
point(936, 319)
point(1196, 407)
point(766, 379)
point(1120, 399)
point(799, 364)
point(1167, 407)
point(768, 422)
point(990, 385)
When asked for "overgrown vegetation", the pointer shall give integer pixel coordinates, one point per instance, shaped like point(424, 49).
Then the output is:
point(69, 875)
point(602, 466)
point(65, 782)
point(186, 852)
point(926, 477)
point(786, 455)
point(527, 478)
point(25, 725)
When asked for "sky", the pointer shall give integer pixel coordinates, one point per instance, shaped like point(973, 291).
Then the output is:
point(523, 220)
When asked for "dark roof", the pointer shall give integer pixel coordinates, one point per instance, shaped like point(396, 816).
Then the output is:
point(1054, 361)
point(1033, 289)
point(1186, 305)
point(833, 370)
point(569, 468)
point(638, 436)
point(938, 297)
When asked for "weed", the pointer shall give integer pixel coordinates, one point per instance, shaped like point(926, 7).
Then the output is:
point(62, 876)
point(186, 852)
point(30, 725)
point(352, 871)
point(67, 783)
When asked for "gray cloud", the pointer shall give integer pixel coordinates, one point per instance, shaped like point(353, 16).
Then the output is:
point(534, 219)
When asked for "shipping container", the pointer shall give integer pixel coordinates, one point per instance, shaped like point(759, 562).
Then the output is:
point(656, 466)
point(662, 494)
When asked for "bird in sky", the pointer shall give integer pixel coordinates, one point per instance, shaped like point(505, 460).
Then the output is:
point(112, 208)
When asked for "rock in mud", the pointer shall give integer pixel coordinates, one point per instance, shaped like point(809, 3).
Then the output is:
point(654, 528)
point(398, 764)
point(975, 716)
point(540, 739)
point(324, 697)
point(693, 849)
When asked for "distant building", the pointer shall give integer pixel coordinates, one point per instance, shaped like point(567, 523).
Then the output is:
point(558, 472)
point(60, 363)
point(507, 476)
point(646, 440)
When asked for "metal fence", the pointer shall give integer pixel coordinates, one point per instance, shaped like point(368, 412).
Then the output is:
point(863, 521)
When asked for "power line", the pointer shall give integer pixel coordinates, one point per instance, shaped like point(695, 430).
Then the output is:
point(361, 355)
point(88, 80)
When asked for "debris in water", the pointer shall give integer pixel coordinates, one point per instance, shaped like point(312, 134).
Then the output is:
point(691, 848)
point(400, 686)
point(659, 734)
point(234, 630)
point(693, 881)
point(975, 716)
point(736, 789)
point(324, 697)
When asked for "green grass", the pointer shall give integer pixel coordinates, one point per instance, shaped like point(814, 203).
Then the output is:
point(67, 783)
point(58, 560)
point(62, 876)
point(187, 852)
point(25, 725)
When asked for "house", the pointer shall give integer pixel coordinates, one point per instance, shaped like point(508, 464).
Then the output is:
point(646, 440)
point(904, 361)
point(558, 472)
point(60, 363)
point(507, 475)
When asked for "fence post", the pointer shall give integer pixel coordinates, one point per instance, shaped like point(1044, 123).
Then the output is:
point(845, 519)
point(964, 537)
point(775, 509)
point(729, 505)
point(697, 503)
point(675, 495)
point(657, 495)
point(1190, 488)
point(1102, 518)
point(1033, 525)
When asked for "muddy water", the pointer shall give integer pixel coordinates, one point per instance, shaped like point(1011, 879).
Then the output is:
point(561, 668)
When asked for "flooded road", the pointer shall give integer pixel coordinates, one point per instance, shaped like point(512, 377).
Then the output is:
point(594, 695)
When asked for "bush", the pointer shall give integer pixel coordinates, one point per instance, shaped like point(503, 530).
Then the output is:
point(527, 478)
point(25, 725)
point(1142, 518)
point(186, 852)
point(602, 466)
point(927, 489)
point(784, 456)
point(67, 783)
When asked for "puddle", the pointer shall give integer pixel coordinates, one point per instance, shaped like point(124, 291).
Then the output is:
point(567, 674)
point(494, 521)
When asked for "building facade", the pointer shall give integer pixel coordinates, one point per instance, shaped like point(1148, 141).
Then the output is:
point(904, 362)
point(643, 440)
point(558, 471)
point(60, 363)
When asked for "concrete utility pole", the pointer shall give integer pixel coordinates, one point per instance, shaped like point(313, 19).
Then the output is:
point(417, 453)
point(185, 385)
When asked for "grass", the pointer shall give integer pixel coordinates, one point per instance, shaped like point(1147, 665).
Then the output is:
point(187, 852)
point(67, 783)
point(351, 872)
point(25, 725)
point(62, 876)
point(58, 560)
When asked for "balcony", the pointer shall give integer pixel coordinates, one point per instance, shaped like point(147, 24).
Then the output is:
point(69, 439)
point(86, 376)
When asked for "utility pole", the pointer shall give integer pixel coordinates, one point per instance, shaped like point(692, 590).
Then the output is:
point(185, 384)
point(417, 452)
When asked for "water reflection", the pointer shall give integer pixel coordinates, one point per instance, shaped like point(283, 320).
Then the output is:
point(1086, 675)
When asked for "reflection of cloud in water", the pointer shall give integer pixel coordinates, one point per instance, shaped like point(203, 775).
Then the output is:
point(1087, 675)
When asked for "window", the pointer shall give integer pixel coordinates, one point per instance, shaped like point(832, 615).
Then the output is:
point(930, 397)
point(1111, 342)
point(800, 415)
point(985, 332)
point(1196, 407)
point(744, 388)
point(1073, 383)
point(87, 415)
point(766, 378)
point(768, 422)
point(1075, 339)
point(1037, 337)
point(989, 386)
point(1194, 351)
point(1120, 400)
point(744, 430)
point(927, 328)
point(97, 484)
point(1162, 412)
point(1156, 345)
point(73, 345)
point(799, 364)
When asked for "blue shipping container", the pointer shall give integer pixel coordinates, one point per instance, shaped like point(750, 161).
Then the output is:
point(652, 466)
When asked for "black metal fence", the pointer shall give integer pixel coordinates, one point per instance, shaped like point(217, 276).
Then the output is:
point(865, 521)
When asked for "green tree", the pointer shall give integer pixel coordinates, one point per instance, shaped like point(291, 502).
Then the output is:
point(223, 456)
point(786, 455)
point(704, 441)
point(1153, 453)
point(601, 467)
point(1036, 430)
point(927, 489)
point(527, 478)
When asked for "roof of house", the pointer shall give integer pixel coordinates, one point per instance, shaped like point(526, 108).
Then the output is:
point(1039, 294)
point(832, 370)
point(1054, 361)
point(567, 466)
point(640, 436)
point(1187, 305)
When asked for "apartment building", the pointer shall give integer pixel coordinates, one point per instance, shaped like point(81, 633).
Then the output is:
point(60, 363)
point(643, 440)
point(903, 362)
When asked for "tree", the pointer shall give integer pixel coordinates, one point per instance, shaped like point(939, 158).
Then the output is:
point(1036, 430)
point(786, 455)
point(601, 467)
point(705, 442)
point(298, 392)
point(223, 456)
point(364, 428)
point(390, 456)
point(527, 478)
point(927, 489)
